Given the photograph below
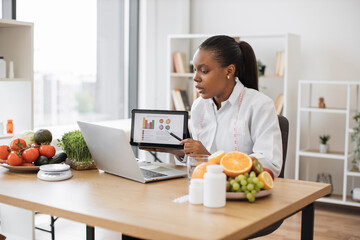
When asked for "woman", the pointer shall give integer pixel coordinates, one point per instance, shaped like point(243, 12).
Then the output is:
point(231, 114)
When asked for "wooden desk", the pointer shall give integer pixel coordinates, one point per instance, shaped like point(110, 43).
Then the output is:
point(147, 210)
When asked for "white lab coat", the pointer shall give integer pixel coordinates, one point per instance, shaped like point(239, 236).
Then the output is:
point(257, 128)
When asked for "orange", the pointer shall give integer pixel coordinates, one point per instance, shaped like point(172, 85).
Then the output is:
point(266, 178)
point(236, 163)
point(216, 157)
point(200, 170)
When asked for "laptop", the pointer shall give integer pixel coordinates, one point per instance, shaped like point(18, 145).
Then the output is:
point(112, 153)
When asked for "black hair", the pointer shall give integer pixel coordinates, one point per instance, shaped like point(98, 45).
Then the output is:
point(228, 51)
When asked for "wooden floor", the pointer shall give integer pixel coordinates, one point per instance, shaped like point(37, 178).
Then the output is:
point(332, 222)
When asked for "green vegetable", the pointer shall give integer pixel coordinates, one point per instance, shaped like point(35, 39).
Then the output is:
point(58, 158)
point(74, 145)
point(28, 136)
point(42, 160)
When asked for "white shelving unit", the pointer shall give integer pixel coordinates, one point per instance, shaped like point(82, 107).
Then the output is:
point(266, 48)
point(306, 132)
point(16, 102)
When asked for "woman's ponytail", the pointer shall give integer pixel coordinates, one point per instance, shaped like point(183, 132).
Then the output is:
point(247, 71)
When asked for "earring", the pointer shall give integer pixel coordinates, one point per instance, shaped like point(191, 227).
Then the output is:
point(228, 77)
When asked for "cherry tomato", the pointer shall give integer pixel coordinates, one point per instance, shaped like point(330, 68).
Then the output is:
point(17, 144)
point(30, 155)
point(47, 151)
point(14, 159)
point(4, 152)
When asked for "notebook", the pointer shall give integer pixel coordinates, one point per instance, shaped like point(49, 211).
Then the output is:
point(112, 153)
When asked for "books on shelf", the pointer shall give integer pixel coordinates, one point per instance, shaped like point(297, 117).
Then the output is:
point(179, 62)
point(280, 64)
point(181, 100)
point(279, 103)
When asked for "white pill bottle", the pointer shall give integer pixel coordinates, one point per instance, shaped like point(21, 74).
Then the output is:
point(2, 67)
point(214, 187)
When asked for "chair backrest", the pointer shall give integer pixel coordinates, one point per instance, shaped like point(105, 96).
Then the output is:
point(284, 128)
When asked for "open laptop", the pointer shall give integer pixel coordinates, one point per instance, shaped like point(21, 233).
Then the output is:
point(112, 153)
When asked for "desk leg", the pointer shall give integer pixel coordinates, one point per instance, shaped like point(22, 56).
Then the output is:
point(307, 222)
point(90, 233)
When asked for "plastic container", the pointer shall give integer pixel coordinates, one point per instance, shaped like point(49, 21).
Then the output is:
point(1, 128)
point(196, 191)
point(11, 69)
point(9, 127)
point(2, 67)
point(214, 187)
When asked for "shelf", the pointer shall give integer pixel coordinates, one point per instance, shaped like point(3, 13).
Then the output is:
point(353, 173)
point(14, 79)
point(337, 199)
point(272, 77)
point(6, 136)
point(323, 110)
point(183, 75)
point(315, 153)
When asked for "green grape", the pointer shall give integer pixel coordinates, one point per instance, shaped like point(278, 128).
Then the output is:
point(257, 188)
point(246, 192)
point(253, 192)
point(250, 186)
point(228, 186)
point(237, 179)
point(230, 178)
point(246, 175)
point(243, 182)
point(260, 184)
point(241, 177)
point(232, 181)
point(243, 188)
point(252, 174)
point(255, 180)
point(250, 180)
point(250, 197)
point(236, 186)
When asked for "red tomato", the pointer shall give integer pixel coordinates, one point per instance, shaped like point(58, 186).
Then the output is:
point(30, 155)
point(17, 144)
point(47, 151)
point(27, 164)
point(14, 159)
point(4, 152)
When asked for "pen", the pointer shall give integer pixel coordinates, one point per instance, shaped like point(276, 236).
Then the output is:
point(172, 134)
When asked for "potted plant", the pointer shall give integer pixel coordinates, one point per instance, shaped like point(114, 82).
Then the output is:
point(261, 68)
point(79, 156)
point(355, 137)
point(324, 147)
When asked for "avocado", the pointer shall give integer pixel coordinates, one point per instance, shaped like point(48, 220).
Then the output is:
point(42, 160)
point(42, 136)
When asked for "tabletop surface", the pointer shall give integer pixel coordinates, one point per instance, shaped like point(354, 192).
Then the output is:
point(147, 210)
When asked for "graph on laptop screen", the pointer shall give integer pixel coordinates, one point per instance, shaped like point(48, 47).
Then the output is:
point(155, 128)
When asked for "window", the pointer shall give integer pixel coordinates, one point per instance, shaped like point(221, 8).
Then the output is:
point(79, 61)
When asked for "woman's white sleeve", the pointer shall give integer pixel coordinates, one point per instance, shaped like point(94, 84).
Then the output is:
point(266, 136)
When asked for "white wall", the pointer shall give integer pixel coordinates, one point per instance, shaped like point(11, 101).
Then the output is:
point(329, 30)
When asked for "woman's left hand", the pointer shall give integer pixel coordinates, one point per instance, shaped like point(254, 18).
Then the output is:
point(192, 146)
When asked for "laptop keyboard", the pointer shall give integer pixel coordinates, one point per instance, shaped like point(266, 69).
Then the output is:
point(151, 174)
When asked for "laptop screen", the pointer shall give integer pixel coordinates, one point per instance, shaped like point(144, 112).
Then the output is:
point(158, 128)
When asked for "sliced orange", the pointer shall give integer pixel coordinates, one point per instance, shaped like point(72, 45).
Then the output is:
point(216, 157)
point(200, 170)
point(236, 163)
point(266, 178)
